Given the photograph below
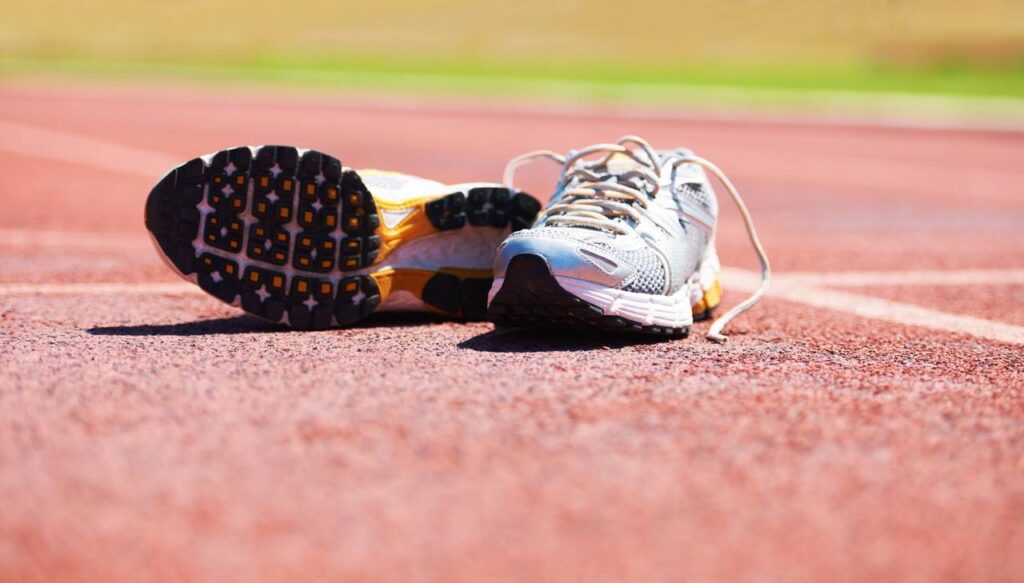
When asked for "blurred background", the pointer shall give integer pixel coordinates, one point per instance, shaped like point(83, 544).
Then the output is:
point(147, 430)
point(452, 89)
point(745, 52)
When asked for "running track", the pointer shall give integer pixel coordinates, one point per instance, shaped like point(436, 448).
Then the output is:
point(866, 422)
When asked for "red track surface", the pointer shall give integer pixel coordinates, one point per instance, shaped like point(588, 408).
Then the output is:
point(163, 436)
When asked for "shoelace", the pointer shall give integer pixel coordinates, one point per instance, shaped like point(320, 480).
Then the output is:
point(594, 199)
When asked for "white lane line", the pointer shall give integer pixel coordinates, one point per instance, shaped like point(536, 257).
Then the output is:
point(101, 154)
point(874, 308)
point(62, 146)
point(96, 289)
point(793, 290)
point(29, 238)
point(896, 278)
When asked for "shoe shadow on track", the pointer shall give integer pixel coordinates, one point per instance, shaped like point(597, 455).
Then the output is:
point(530, 340)
point(245, 324)
point(232, 325)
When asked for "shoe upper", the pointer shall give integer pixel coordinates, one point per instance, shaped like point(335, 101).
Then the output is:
point(397, 187)
point(648, 238)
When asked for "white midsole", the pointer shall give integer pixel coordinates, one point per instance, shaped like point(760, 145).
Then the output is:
point(467, 248)
point(674, 311)
point(470, 247)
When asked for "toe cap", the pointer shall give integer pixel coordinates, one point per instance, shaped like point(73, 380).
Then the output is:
point(565, 256)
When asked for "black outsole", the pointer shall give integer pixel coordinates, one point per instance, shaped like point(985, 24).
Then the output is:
point(483, 207)
point(307, 221)
point(289, 196)
point(530, 297)
point(465, 298)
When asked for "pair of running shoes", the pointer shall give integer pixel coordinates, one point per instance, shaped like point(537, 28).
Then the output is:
point(626, 243)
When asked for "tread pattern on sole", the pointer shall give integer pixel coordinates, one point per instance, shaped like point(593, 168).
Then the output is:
point(483, 207)
point(531, 297)
point(272, 231)
point(465, 298)
point(275, 231)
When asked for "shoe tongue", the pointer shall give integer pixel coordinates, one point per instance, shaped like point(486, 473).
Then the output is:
point(620, 164)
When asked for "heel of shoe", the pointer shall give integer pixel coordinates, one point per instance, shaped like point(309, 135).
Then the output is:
point(708, 296)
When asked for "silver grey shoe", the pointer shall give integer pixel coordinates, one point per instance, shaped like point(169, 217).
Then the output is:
point(626, 243)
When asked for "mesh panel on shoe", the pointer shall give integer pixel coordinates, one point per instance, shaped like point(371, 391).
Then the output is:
point(696, 195)
point(650, 270)
point(551, 233)
point(385, 181)
point(650, 273)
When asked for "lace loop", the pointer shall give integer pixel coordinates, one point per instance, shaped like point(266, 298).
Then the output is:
point(715, 332)
point(515, 163)
point(591, 195)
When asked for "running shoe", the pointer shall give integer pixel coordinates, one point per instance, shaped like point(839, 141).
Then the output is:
point(292, 236)
point(626, 243)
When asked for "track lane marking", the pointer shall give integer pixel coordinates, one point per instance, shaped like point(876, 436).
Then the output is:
point(106, 155)
point(61, 146)
point(899, 278)
point(29, 238)
point(874, 308)
point(793, 290)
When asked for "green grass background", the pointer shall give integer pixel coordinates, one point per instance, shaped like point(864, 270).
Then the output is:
point(596, 48)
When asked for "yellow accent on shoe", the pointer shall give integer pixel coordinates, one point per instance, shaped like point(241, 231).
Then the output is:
point(713, 296)
point(709, 301)
point(390, 280)
point(412, 226)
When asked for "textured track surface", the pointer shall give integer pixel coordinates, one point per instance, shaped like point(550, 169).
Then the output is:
point(148, 431)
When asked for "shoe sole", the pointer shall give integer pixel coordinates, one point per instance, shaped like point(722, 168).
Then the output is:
point(530, 296)
point(293, 237)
